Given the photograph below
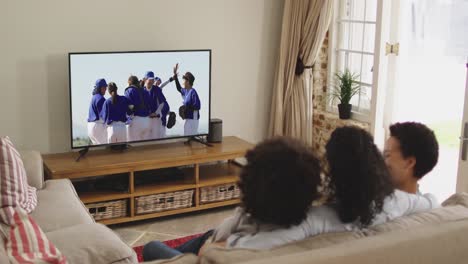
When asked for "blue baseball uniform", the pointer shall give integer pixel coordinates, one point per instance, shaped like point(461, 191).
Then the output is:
point(191, 102)
point(192, 108)
point(116, 112)
point(157, 98)
point(140, 99)
point(95, 107)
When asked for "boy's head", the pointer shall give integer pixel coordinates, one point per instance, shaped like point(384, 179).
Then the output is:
point(280, 181)
point(410, 153)
point(189, 79)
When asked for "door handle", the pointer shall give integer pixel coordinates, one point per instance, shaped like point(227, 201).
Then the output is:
point(465, 142)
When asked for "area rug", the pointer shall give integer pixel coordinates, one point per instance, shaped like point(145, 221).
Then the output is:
point(171, 243)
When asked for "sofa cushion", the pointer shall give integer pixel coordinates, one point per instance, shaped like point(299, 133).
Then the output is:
point(457, 199)
point(14, 187)
point(33, 165)
point(91, 243)
point(446, 243)
point(59, 206)
point(223, 255)
point(25, 242)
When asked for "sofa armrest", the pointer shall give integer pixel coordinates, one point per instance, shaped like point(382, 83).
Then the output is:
point(34, 168)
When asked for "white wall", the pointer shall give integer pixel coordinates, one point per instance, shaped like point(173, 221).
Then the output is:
point(37, 35)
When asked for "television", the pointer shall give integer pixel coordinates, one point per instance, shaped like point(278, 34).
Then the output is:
point(118, 98)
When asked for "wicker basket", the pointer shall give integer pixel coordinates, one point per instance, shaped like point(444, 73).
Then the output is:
point(163, 202)
point(107, 210)
point(219, 193)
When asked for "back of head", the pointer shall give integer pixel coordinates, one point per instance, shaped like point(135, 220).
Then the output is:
point(112, 88)
point(418, 141)
point(280, 181)
point(359, 180)
point(133, 81)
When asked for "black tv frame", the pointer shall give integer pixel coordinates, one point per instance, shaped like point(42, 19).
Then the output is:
point(139, 141)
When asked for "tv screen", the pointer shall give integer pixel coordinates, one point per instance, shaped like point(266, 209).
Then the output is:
point(125, 97)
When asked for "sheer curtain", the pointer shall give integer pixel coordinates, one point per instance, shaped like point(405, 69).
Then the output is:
point(305, 24)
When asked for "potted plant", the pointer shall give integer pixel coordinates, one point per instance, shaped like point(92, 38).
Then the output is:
point(346, 86)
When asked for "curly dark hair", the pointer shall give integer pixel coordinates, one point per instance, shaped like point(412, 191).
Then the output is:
point(280, 181)
point(359, 180)
point(418, 141)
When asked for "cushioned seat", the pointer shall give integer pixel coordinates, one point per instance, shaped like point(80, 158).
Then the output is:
point(59, 207)
point(100, 246)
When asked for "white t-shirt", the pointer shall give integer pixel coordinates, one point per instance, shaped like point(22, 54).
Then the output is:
point(240, 231)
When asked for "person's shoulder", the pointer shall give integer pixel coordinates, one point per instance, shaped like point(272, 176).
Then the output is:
point(431, 197)
point(121, 98)
point(322, 212)
point(401, 196)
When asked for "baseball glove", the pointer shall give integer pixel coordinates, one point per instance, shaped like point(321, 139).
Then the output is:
point(171, 120)
point(182, 111)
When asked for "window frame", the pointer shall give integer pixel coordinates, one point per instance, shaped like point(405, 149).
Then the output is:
point(333, 42)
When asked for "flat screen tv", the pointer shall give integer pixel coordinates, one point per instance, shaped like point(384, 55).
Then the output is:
point(124, 97)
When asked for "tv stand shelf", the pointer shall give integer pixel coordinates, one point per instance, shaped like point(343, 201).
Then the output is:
point(202, 166)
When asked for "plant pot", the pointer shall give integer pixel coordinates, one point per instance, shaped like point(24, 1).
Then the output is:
point(344, 111)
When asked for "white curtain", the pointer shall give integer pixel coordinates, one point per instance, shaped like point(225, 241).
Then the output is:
point(305, 24)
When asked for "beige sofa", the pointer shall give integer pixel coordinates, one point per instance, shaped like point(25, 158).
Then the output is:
point(437, 236)
point(67, 223)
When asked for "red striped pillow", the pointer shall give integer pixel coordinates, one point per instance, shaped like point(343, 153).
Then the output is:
point(25, 242)
point(14, 187)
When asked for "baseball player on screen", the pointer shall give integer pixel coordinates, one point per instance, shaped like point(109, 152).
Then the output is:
point(139, 127)
point(190, 110)
point(96, 129)
point(158, 105)
point(114, 113)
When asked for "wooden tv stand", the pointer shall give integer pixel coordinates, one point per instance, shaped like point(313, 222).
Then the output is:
point(203, 166)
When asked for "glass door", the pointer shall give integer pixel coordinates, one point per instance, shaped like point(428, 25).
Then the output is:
point(426, 79)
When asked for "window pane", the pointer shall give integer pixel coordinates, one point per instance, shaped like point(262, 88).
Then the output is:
point(351, 36)
point(361, 103)
point(355, 102)
point(353, 62)
point(371, 10)
point(367, 69)
point(365, 98)
point(369, 40)
point(354, 9)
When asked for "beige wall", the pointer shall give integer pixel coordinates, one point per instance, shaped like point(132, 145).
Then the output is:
point(37, 35)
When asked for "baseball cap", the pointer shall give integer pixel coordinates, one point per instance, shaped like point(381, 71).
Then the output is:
point(189, 77)
point(157, 79)
point(149, 75)
point(100, 83)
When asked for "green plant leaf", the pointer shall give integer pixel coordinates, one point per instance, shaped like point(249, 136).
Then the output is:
point(345, 86)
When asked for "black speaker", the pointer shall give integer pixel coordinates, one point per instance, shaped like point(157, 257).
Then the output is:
point(216, 130)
